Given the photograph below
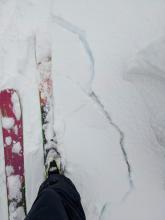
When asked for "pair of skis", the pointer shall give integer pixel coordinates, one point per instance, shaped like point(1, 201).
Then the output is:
point(12, 132)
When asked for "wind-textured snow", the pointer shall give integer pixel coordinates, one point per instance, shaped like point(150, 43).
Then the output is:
point(108, 77)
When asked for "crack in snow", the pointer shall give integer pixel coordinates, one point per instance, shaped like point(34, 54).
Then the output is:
point(91, 94)
point(103, 209)
point(120, 132)
point(82, 37)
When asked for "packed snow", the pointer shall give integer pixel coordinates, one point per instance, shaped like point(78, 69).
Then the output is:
point(108, 77)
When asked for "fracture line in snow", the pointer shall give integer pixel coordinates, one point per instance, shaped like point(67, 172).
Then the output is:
point(103, 210)
point(120, 132)
point(81, 35)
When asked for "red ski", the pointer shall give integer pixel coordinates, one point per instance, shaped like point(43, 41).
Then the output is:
point(12, 130)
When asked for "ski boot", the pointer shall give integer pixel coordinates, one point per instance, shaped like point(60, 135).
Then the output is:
point(53, 163)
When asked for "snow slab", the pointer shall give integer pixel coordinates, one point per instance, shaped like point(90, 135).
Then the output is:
point(110, 131)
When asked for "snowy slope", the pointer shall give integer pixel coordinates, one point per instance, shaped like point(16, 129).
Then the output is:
point(110, 128)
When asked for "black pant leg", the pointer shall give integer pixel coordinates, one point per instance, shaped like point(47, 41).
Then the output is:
point(47, 206)
point(57, 199)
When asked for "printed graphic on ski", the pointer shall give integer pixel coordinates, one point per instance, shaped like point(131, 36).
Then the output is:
point(12, 131)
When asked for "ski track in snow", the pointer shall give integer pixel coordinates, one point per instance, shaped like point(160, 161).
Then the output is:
point(92, 95)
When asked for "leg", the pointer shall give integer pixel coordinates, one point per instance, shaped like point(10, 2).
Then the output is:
point(48, 206)
point(57, 199)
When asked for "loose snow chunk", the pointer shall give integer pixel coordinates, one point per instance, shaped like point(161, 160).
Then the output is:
point(7, 123)
point(16, 106)
point(8, 140)
point(9, 170)
point(14, 187)
point(16, 148)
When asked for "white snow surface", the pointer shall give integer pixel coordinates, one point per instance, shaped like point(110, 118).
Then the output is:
point(108, 75)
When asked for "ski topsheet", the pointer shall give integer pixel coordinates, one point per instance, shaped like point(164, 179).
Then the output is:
point(47, 108)
point(12, 131)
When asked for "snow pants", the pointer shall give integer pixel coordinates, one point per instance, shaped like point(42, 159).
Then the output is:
point(57, 199)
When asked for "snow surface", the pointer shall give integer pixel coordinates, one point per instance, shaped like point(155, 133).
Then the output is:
point(108, 74)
